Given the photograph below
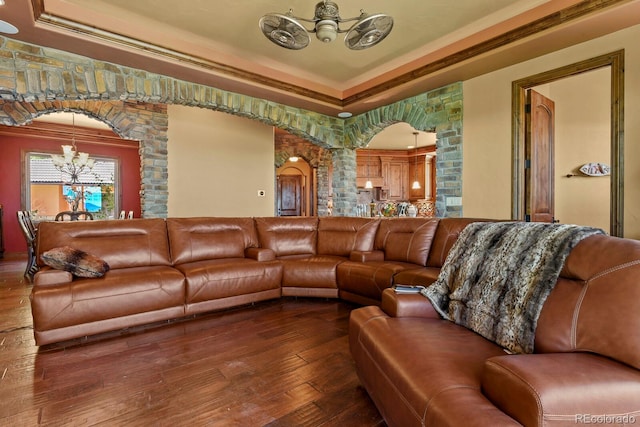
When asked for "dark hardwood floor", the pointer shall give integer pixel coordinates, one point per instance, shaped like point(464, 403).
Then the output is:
point(277, 363)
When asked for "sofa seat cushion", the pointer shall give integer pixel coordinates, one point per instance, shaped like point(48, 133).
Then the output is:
point(569, 388)
point(369, 279)
point(417, 276)
point(228, 277)
point(413, 366)
point(311, 272)
point(120, 292)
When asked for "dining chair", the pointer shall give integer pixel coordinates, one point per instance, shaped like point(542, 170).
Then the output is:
point(74, 216)
point(29, 231)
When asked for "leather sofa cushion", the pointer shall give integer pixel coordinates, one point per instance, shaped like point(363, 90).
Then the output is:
point(119, 293)
point(369, 279)
point(410, 366)
point(121, 244)
point(340, 235)
point(446, 234)
point(545, 389)
point(312, 272)
point(197, 239)
point(598, 311)
point(424, 276)
point(228, 277)
point(288, 236)
point(406, 239)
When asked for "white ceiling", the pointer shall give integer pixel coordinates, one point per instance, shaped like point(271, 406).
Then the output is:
point(218, 43)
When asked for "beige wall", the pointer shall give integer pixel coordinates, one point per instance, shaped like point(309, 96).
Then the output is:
point(217, 164)
point(487, 128)
point(582, 135)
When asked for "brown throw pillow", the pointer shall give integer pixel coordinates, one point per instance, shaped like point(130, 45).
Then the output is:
point(75, 261)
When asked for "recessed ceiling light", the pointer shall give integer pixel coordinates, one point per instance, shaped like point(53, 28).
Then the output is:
point(7, 28)
point(344, 114)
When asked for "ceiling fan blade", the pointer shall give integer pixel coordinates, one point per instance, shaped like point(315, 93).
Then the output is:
point(284, 31)
point(368, 31)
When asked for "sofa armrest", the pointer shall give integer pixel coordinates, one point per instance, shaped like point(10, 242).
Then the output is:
point(260, 254)
point(537, 389)
point(366, 256)
point(48, 276)
point(407, 305)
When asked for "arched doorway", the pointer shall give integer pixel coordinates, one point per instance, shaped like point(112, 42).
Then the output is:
point(397, 167)
point(295, 191)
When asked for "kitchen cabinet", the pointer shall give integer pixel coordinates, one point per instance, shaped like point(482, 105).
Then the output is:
point(397, 180)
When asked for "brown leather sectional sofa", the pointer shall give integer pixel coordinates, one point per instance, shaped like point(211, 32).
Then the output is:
point(421, 370)
point(166, 269)
point(418, 369)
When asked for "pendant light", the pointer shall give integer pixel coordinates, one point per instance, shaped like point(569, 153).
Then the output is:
point(368, 185)
point(416, 183)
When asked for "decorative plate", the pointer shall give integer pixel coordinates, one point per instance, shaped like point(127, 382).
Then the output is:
point(595, 169)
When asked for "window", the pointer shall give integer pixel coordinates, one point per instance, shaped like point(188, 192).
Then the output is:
point(47, 193)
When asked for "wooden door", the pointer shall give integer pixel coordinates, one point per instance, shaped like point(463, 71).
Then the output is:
point(539, 161)
point(398, 180)
point(289, 195)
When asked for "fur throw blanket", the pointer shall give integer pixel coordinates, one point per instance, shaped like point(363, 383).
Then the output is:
point(497, 277)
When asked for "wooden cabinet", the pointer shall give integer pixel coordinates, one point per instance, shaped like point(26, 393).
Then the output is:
point(394, 171)
point(368, 169)
point(398, 180)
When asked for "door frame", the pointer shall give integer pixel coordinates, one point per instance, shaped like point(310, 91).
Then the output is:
point(614, 60)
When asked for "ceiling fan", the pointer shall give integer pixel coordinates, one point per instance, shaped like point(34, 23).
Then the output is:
point(286, 31)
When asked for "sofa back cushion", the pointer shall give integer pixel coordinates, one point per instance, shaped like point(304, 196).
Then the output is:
point(197, 239)
point(595, 306)
point(406, 239)
point(340, 235)
point(122, 243)
point(288, 236)
point(447, 233)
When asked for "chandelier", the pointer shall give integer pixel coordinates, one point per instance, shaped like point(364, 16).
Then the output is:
point(286, 31)
point(71, 163)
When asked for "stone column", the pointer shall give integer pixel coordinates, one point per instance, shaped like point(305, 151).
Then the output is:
point(344, 182)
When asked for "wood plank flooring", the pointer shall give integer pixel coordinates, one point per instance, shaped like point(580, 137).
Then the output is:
point(277, 363)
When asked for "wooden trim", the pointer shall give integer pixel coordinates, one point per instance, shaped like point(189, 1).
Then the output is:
point(561, 17)
point(63, 134)
point(615, 60)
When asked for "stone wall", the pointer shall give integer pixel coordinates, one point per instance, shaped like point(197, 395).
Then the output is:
point(36, 80)
point(320, 159)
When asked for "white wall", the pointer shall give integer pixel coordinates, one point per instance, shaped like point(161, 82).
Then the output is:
point(487, 128)
point(217, 164)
